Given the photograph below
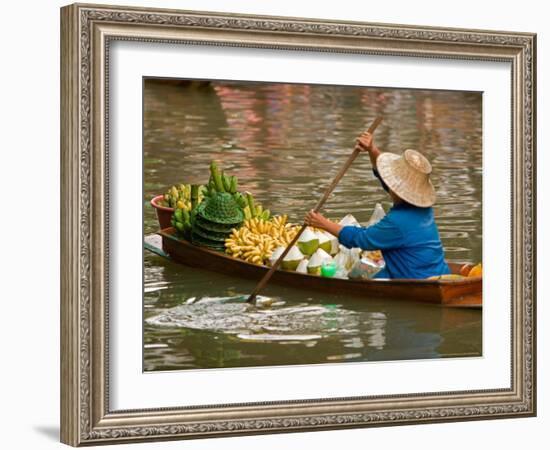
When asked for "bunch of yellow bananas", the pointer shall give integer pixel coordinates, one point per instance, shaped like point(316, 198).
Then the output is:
point(180, 196)
point(256, 239)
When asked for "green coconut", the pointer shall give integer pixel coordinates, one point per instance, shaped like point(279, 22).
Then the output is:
point(317, 260)
point(327, 242)
point(292, 259)
point(334, 243)
point(349, 220)
point(324, 241)
point(308, 242)
point(276, 254)
point(302, 267)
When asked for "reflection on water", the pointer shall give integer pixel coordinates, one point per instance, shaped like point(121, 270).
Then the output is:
point(285, 142)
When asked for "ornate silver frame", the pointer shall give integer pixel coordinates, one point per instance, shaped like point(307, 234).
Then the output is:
point(86, 32)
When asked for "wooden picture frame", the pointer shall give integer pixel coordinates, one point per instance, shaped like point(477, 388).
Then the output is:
point(86, 34)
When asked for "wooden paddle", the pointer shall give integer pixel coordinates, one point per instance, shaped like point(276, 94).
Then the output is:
point(317, 208)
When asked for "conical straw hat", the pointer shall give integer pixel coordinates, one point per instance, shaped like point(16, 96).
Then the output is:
point(408, 175)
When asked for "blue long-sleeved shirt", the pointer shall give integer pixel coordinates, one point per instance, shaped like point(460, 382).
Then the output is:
point(409, 241)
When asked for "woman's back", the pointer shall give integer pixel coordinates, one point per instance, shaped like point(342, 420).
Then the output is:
point(409, 240)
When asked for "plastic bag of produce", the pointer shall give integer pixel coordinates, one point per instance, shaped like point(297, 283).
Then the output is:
point(345, 259)
point(340, 260)
point(374, 255)
point(365, 268)
point(340, 273)
point(377, 215)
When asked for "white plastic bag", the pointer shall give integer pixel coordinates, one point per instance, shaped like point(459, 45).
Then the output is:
point(377, 215)
point(345, 259)
point(365, 268)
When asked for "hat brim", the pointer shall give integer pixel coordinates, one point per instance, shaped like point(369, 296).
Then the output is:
point(412, 191)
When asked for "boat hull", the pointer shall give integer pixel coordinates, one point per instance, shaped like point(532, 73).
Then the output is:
point(465, 292)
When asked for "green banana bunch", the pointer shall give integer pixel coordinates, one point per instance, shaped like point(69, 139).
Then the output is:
point(253, 209)
point(181, 221)
point(240, 199)
point(183, 218)
point(220, 182)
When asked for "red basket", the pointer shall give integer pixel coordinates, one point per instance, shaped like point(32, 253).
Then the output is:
point(164, 213)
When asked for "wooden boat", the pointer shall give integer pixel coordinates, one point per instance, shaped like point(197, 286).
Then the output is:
point(466, 292)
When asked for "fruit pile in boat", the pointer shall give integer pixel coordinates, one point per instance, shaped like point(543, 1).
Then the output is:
point(219, 217)
point(256, 240)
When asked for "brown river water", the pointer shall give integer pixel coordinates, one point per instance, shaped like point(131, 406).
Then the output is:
point(285, 142)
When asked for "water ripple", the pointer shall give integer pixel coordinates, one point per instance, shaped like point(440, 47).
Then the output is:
point(279, 323)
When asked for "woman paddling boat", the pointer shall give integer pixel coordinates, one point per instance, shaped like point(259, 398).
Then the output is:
point(407, 236)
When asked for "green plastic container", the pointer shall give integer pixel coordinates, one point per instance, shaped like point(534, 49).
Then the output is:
point(328, 270)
